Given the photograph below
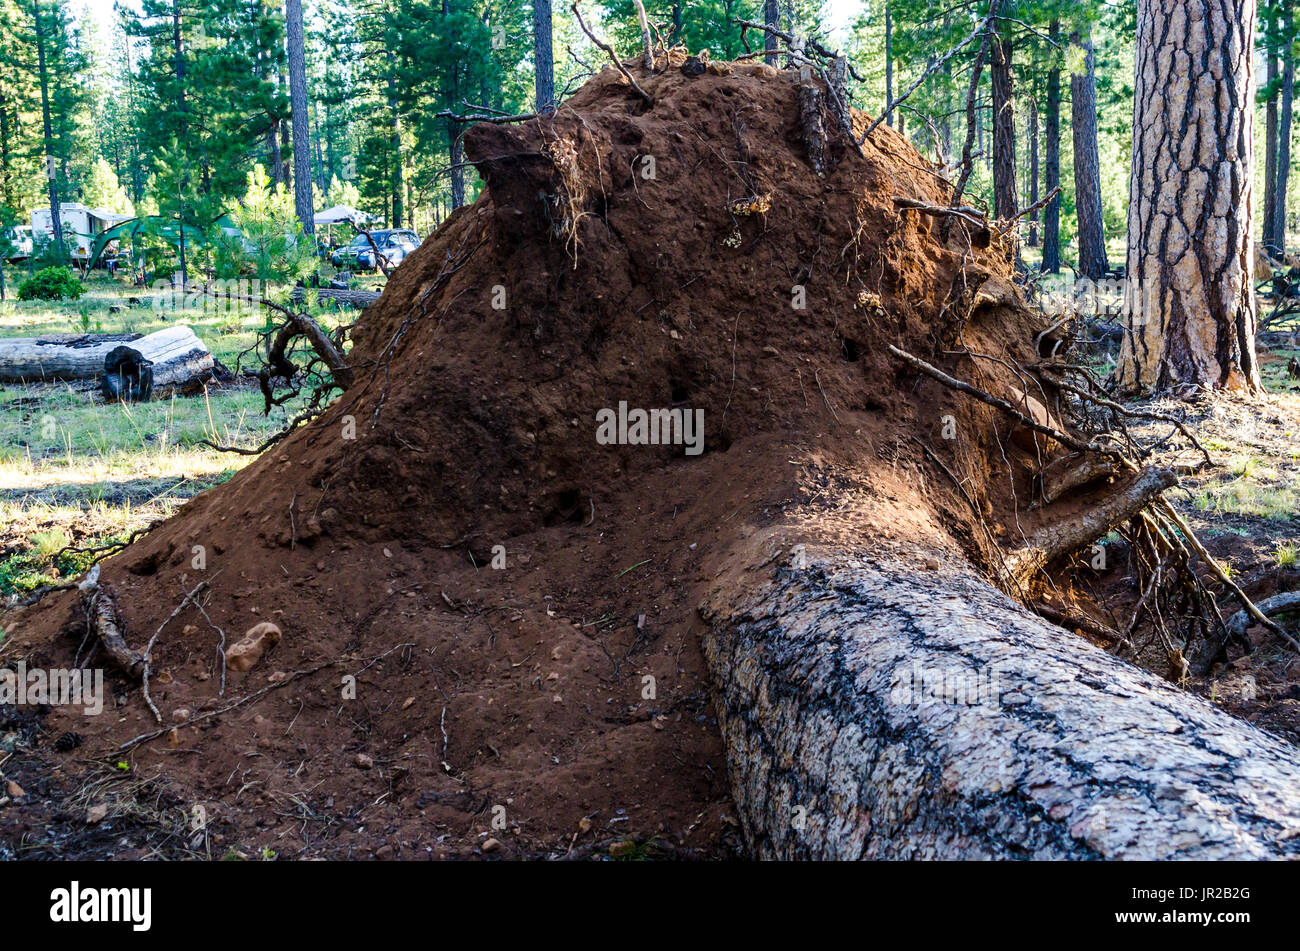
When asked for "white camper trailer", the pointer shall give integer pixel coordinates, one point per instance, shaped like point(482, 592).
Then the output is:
point(80, 225)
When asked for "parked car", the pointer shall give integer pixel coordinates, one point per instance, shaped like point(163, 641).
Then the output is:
point(20, 241)
point(358, 255)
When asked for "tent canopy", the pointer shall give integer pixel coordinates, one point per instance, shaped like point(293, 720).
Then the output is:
point(341, 214)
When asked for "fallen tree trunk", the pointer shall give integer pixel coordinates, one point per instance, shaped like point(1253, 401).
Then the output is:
point(56, 357)
point(358, 299)
point(156, 365)
point(874, 709)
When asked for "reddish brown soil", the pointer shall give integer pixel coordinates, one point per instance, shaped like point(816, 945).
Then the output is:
point(475, 427)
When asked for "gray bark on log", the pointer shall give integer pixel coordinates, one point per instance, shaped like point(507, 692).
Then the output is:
point(872, 709)
point(56, 357)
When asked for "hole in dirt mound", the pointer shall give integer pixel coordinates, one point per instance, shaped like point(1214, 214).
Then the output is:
point(567, 507)
point(149, 564)
point(850, 350)
point(679, 393)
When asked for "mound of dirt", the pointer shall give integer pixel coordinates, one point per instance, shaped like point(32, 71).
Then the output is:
point(514, 596)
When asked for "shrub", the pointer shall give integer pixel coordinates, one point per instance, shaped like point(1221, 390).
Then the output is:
point(52, 283)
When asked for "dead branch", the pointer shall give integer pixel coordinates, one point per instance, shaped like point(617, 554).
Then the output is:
point(148, 651)
point(933, 68)
point(1063, 438)
point(969, 215)
point(613, 57)
point(153, 735)
point(1217, 570)
point(104, 621)
point(1010, 223)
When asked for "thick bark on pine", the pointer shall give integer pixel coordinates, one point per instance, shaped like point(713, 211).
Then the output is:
point(1087, 168)
point(1004, 129)
point(872, 709)
point(543, 56)
point(1189, 299)
point(298, 109)
point(1052, 169)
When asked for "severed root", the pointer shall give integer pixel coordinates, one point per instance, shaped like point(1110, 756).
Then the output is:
point(1059, 539)
point(1071, 472)
point(105, 622)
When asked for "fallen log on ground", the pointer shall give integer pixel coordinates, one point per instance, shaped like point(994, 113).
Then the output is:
point(56, 356)
point(156, 365)
point(358, 299)
point(1236, 626)
point(873, 709)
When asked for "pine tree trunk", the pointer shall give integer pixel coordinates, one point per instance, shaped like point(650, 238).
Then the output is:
point(1033, 171)
point(51, 173)
point(1052, 171)
point(298, 107)
point(397, 184)
point(889, 63)
point(1278, 210)
point(1004, 130)
point(1087, 170)
point(771, 18)
point(543, 56)
point(1189, 297)
point(1270, 154)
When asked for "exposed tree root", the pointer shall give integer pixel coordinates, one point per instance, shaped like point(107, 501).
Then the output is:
point(104, 621)
point(1064, 538)
point(1161, 542)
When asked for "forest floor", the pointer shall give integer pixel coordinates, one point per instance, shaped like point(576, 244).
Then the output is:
point(74, 470)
